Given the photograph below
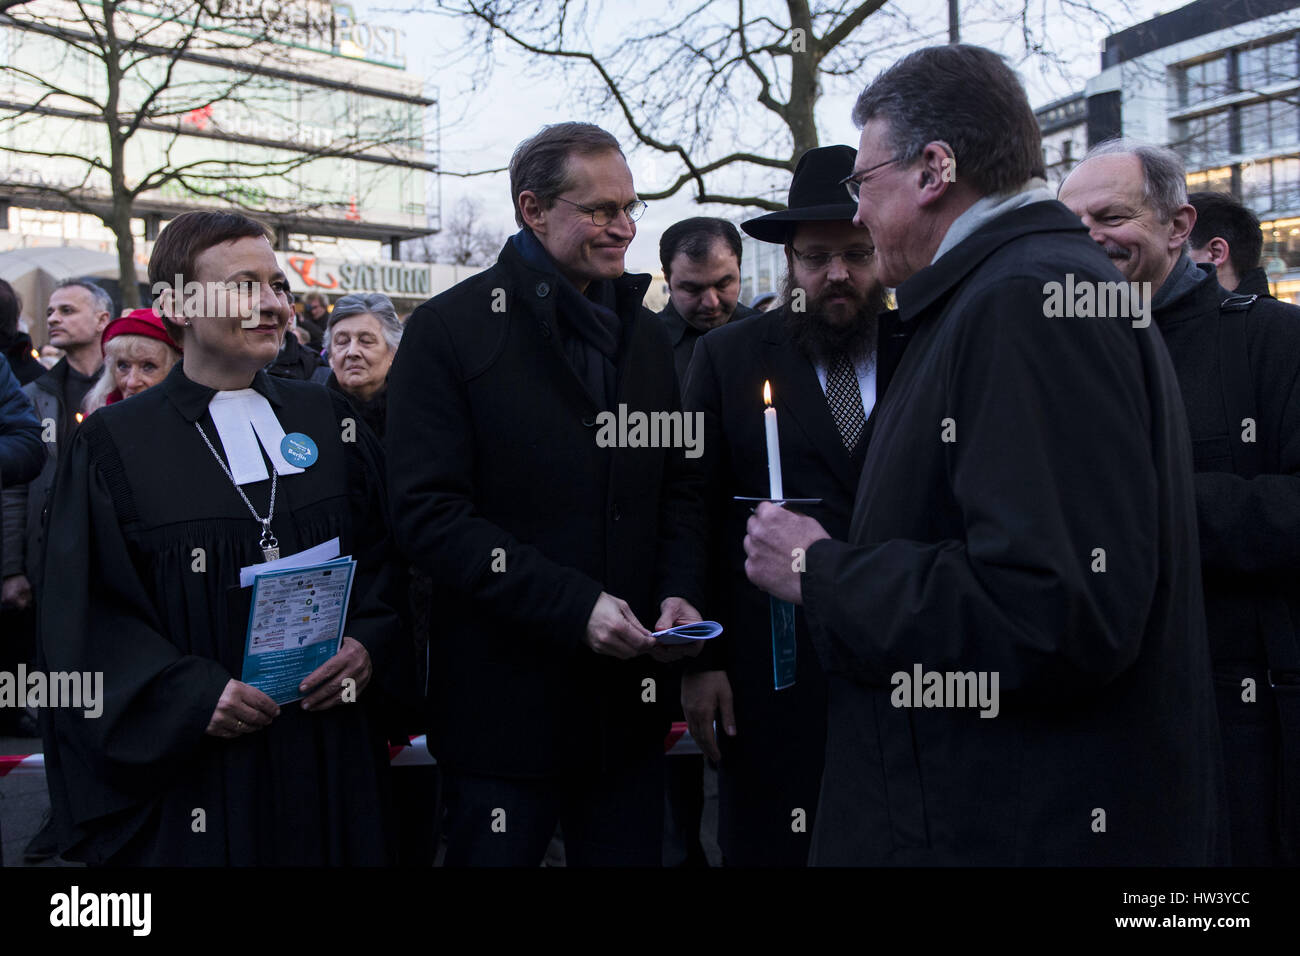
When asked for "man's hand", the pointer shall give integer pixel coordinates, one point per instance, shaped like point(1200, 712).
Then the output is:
point(16, 592)
point(241, 710)
point(704, 695)
point(773, 536)
point(672, 612)
point(352, 662)
point(613, 629)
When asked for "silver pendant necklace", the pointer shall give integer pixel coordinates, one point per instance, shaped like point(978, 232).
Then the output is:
point(269, 545)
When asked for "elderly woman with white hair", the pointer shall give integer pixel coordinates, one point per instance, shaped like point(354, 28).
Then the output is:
point(138, 354)
point(362, 338)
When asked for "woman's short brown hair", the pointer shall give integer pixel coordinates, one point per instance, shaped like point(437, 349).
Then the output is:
point(181, 241)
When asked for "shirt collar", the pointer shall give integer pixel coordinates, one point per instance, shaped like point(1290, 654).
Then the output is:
point(191, 399)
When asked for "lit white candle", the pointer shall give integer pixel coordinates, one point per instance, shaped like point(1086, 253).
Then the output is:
point(775, 489)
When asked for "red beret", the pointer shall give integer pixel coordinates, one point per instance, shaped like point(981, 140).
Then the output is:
point(144, 322)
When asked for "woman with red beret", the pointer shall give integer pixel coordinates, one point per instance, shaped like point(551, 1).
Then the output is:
point(138, 354)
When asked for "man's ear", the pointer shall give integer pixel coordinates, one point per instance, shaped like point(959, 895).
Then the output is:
point(1182, 224)
point(938, 171)
point(1218, 250)
point(530, 209)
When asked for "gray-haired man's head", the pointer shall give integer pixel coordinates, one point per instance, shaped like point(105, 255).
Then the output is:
point(1133, 199)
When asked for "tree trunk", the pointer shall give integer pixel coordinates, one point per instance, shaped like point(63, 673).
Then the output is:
point(121, 226)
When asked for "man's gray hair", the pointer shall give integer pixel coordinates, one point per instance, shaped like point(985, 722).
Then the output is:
point(1164, 178)
point(965, 96)
point(98, 294)
point(369, 303)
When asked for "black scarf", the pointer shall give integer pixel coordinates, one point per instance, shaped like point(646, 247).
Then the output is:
point(592, 327)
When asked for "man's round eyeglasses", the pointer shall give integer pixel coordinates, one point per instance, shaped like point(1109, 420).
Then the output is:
point(604, 215)
point(853, 181)
point(821, 260)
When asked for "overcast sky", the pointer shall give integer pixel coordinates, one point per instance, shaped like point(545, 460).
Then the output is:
point(482, 125)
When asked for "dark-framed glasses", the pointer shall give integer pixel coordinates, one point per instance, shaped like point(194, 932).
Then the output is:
point(822, 260)
point(604, 215)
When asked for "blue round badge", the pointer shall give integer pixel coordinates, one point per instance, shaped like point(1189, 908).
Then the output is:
point(299, 450)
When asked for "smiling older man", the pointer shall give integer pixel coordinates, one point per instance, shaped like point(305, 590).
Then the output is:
point(1238, 363)
point(1024, 516)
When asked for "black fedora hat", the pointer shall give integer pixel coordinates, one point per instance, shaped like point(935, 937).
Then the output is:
point(815, 194)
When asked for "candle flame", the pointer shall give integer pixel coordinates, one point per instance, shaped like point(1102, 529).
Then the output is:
point(36, 354)
point(80, 418)
point(767, 394)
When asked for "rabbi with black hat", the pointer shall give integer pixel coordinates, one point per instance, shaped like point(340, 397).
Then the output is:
point(818, 352)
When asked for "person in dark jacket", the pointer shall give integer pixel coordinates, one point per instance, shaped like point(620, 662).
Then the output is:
point(1238, 363)
point(21, 456)
point(1012, 633)
point(362, 338)
point(820, 363)
point(701, 262)
point(555, 540)
point(16, 345)
point(1227, 234)
point(700, 258)
point(294, 360)
point(77, 314)
point(21, 452)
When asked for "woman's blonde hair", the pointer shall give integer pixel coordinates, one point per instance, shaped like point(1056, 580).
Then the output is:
point(125, 346)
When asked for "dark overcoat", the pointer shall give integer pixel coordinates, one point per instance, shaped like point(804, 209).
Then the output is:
point(1026, 510)
point(509, 495)
point(773, 766)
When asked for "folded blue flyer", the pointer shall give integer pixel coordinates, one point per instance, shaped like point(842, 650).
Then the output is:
point(295, 625)
point(685, 633)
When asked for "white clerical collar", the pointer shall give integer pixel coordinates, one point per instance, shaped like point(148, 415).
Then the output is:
point(244, 417)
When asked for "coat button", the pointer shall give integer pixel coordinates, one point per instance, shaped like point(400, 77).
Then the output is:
point(546, 330)
point(543, 290)
point(590, 421)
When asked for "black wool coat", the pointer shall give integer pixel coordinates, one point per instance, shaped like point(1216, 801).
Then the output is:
point(1249, 540)
point(683, 336)
point(774, 763)
point(505, 498)
point(1010, 454)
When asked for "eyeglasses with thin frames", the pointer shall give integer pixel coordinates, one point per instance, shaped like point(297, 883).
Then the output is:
point(853, 181)
point(604, 215)
point(853, 258)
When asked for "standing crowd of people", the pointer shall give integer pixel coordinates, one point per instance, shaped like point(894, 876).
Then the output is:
point(1025, 589)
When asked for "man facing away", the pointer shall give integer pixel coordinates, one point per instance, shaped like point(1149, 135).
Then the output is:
point(1227, 234)
point(1012, 633)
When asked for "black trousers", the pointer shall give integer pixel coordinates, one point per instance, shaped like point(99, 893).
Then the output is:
point(608, 819)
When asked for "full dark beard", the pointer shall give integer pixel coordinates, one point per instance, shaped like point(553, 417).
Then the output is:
point(821, 340)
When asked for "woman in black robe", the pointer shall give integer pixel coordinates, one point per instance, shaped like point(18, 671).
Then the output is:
point(148, 532)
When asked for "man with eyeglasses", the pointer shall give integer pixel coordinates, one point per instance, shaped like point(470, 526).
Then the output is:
point(1012, 630)
point(554, 549)
point(818, 353)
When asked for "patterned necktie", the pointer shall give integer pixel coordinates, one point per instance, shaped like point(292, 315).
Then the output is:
point(845, 400)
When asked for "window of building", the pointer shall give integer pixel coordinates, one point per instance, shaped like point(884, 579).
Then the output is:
point(1284, 120)
point(1255, 128)
point(1286, 183)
